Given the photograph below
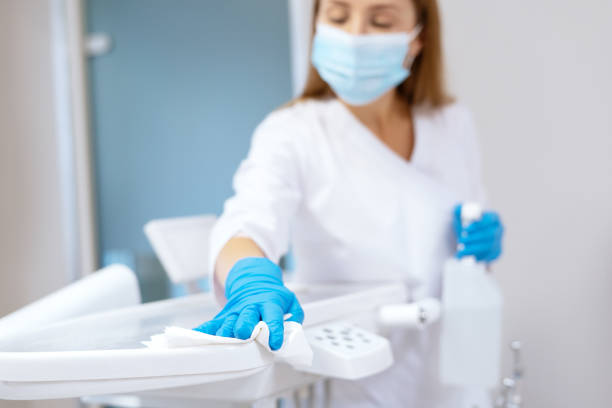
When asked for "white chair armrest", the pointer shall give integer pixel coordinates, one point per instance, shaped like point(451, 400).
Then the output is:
point(181, 244)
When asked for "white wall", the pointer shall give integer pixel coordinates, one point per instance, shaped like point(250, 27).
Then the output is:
point(537, 76)
point(33, 253)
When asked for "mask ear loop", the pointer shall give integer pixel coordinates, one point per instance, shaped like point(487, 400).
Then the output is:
point(415, 32)
point(411, 37)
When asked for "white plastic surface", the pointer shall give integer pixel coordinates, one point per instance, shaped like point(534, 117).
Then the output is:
point(295, 349)
point(269, 381)
point(470, 343)
point(416, 315)
point(110, 288)
point(102, 353)
point(343, 350)
point(470, 212)
point(44, 390)
point(181, 244)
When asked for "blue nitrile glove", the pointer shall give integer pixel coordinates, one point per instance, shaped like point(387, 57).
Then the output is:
point(482, 238)
point(254, 290)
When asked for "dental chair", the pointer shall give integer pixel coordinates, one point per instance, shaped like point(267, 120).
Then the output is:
point(113, 287)
point(85, 340)
point(181, 244)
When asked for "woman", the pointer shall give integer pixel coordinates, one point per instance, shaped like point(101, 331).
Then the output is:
point(361, 173)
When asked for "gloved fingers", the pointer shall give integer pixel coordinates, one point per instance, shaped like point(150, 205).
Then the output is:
point(484, 235)
point(457, 220)
point(247, 320)
point(494, 253)
point(297, 313)
point(272, 315)
point(457, 211)
point(492, 256)
point(487, 251)
point(476, 247)
point(210, 327)
point(479, 250)
point(488, 220)
point(227, 327)
point(476, 227)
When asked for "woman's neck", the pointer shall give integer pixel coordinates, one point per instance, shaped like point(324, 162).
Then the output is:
point(378, 115)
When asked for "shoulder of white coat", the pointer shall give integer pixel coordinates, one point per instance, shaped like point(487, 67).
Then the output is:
point(451, 115)
point(288, 132)
point(295, 119)
point(460, 129)
point(452, 123)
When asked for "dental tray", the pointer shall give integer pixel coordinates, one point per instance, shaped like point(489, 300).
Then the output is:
point(102, 353)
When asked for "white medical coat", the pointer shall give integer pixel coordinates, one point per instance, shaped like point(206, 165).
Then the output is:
point(355, 211)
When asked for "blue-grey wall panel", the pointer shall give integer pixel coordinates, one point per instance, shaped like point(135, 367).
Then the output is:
point(175, 103)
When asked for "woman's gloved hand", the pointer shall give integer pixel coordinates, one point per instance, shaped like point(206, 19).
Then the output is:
point(254, 290)
point(482, 238)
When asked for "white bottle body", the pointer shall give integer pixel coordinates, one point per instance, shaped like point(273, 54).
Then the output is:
point(470, 343)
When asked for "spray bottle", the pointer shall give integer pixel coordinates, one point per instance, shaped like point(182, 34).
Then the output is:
point(471, 319)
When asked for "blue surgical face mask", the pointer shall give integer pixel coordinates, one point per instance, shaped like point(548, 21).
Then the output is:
point(361, 68)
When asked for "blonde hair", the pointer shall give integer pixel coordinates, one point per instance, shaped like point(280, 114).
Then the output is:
point(424, 87)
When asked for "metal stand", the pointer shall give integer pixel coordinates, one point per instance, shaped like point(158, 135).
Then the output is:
point(510, 395)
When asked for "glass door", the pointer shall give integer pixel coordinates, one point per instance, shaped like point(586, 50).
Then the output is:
point(174, 104)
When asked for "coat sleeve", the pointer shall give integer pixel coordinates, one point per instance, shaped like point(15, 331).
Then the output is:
point(267, 191)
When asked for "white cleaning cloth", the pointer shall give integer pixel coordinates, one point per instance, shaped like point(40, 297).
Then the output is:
point(295, 349)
